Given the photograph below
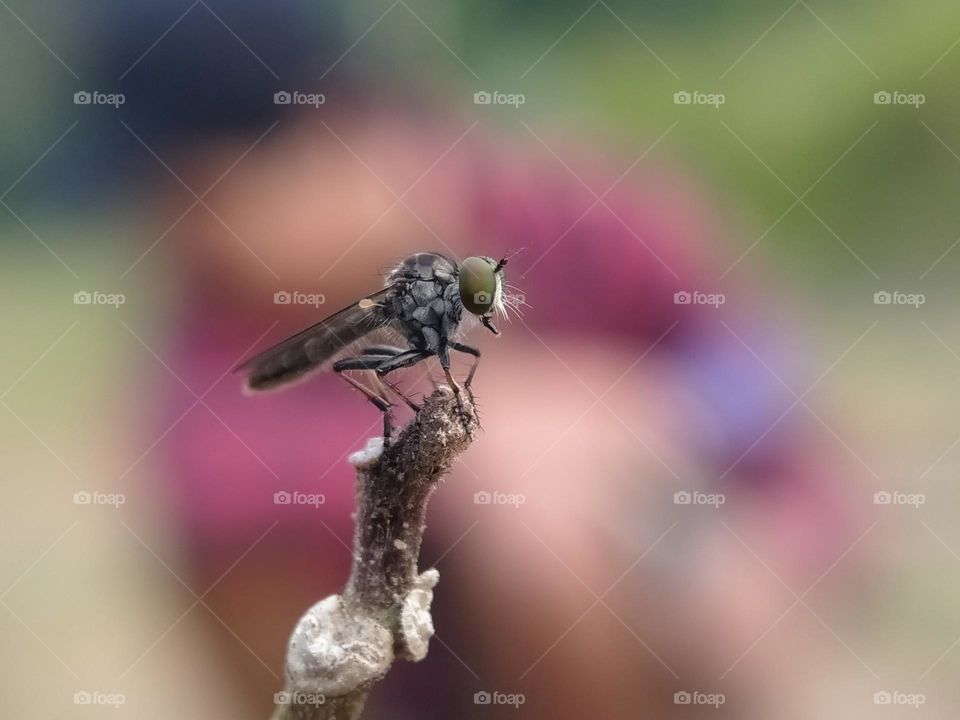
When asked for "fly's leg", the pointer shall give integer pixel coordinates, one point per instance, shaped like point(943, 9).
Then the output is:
point(401, 360)
point(400, 394)
point(384, 353)
point(444, 356)
point(460, 347)
point(369, 362)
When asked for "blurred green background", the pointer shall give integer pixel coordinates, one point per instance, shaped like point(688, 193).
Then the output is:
point(798, 82)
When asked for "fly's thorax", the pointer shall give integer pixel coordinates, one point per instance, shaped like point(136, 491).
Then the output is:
point(424, 266)
point(426, 309)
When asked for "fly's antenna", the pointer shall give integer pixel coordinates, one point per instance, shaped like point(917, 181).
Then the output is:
point(506, 258)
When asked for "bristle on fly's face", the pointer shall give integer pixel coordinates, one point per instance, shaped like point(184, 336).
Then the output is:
point(508, 299)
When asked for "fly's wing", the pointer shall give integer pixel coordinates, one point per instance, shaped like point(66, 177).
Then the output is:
point(309, 349)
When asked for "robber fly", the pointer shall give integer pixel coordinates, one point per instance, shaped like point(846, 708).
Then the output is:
point(423, 299)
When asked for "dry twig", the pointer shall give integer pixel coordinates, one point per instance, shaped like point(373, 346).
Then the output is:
point(346, 642)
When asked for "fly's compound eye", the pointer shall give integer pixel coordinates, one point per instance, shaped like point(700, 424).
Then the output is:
point(478, 285)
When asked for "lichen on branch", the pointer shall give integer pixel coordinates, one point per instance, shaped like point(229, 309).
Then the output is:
point(346, 642)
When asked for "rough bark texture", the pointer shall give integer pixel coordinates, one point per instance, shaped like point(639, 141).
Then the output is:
point(346, 642)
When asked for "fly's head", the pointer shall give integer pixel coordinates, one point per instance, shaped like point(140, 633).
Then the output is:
point(481, 285)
